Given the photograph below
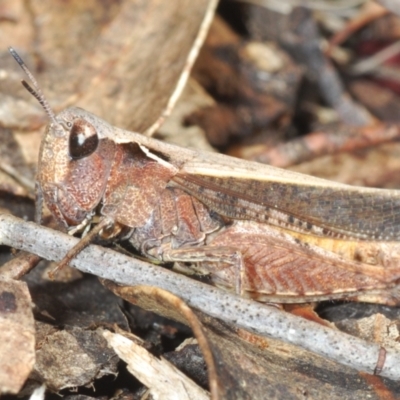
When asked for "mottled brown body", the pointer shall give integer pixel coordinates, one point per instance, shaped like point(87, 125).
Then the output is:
point(269, 234)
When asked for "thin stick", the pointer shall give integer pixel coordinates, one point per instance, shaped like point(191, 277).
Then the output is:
point(255, 317)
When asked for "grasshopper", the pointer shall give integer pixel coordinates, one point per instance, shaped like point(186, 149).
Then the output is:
point(266, 233)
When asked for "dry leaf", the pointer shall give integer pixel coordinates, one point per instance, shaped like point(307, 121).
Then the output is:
point(127, 61)
point(72, 357)
point(17, 336)
point(161, 377)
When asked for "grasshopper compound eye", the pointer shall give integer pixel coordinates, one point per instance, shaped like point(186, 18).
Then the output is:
point(83, 139)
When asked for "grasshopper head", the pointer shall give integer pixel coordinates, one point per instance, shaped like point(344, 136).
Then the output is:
point(74, 165)
point(74, 162)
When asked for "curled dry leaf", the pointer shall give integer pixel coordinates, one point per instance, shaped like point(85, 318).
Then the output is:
point(17, 336)
point(71, 357)
point(163, 379)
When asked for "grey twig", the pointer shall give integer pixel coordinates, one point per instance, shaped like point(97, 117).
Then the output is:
point(250, 315)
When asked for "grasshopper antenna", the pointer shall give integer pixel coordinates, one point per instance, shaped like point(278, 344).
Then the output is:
point(36, 92)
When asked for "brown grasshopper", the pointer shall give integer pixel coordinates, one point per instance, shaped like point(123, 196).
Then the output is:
point(269, 234)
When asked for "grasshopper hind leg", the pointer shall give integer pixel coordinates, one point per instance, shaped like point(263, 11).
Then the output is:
point(227, 261)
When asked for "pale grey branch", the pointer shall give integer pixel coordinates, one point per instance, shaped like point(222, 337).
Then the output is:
point(250, 315)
